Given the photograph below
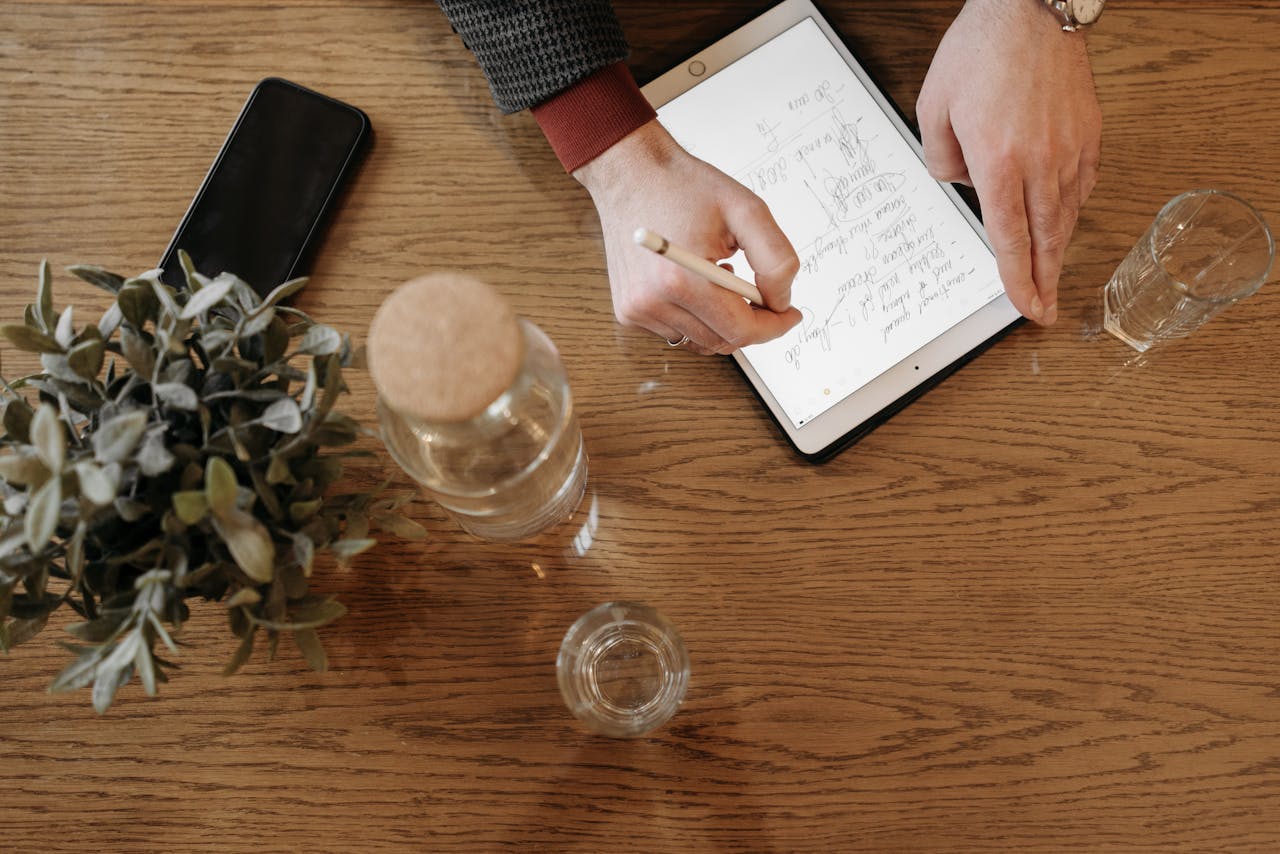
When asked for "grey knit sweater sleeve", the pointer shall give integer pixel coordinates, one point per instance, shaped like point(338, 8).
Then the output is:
point(532, 49)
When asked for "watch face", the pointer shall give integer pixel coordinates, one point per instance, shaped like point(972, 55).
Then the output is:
point(1087, 11)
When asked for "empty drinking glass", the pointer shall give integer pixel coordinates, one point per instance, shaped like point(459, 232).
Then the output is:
point(1206, 250)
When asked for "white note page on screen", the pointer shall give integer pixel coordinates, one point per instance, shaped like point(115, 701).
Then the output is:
point(897, 283)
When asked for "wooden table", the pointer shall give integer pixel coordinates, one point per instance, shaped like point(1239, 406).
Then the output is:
point(1038, 610)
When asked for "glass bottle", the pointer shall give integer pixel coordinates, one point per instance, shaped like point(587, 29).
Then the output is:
point(474, 404)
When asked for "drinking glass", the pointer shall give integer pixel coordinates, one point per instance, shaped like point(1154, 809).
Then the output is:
point(623, 669)
point(1205, 251)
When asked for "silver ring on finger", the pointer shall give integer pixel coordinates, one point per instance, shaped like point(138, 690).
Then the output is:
point(684, 339)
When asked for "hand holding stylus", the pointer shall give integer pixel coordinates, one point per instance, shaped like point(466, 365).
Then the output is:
point(698, 265)
point(706, 212)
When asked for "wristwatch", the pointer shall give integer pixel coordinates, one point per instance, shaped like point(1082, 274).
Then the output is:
point(1076, 13)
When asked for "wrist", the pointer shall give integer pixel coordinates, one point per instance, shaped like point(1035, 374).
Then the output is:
point(646, 147)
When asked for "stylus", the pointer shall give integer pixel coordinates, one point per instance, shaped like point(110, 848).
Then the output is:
point(698, 265)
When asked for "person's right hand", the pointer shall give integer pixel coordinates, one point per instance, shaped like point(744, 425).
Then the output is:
point(647, 180)
point(1008, 107)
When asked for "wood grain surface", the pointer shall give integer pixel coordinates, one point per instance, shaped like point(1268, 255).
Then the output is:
point(1038, 610)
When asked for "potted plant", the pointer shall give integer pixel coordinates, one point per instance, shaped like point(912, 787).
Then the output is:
point(181, 447)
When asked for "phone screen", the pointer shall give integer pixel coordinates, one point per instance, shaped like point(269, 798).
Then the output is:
point(263, 203)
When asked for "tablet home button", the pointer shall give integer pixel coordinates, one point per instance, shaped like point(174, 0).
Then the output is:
point(697, 69)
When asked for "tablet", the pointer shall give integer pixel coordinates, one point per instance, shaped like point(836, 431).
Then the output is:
point(897, 285)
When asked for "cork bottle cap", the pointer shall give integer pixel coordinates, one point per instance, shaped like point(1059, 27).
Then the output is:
point(443, 347)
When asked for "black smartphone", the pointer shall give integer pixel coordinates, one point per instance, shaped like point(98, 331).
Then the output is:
point(262, 208)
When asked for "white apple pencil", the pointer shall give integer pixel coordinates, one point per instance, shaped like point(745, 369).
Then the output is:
point(698, 265)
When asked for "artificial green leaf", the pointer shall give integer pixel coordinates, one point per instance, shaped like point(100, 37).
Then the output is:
point(237, 445)
point(17, 419)
point(130, 509)
point(42, 514)
point(308, 398)
point(22, 470)
point(191, 506)
point(304, 552)
point(217, 339)
point(275, 341)
point(97, 277)
point(320, 340)
point(137, 352)
point(246, 296)
point(106, 684)
point(86, 359)
point(44, 297)
point(153, 457)
point(30, 340)
point(138, 303)
point(146, 668)
point(65, 330)
point(332, 383)
point(194, 278)
point(18, 632)
point(164, 296)
point(114, 441)
point(248, 541)
point(265, 493)
point(345, 550)
point(312, 650)
point(322, 470)
point(98, 631)
point(316, 613)
point(283, 416)
point(399, 525)
point(220, 485)
point(207, 297)
point(177, 371)
point(301, 511)
point(242, 653)
point(110, 321)
point(57, 366)
point(244, 596)
point(239, 622)
point(283, 292)
point(75, 552)
point(336, 429)
point(96, 483)
point(80, 672)
point(294, 581)
point(278, 471)
point(258, 323)
point(48, 438)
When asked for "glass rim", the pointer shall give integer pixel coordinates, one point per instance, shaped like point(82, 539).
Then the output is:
point(1181, 286)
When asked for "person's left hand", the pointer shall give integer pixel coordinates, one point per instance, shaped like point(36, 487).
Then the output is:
point(1009, 107)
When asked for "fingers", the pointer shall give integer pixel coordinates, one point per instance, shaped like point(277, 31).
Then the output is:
point(1048, 244)
point(943, 153)
point(1005, 216)
point(717, 321)
point(768, 250)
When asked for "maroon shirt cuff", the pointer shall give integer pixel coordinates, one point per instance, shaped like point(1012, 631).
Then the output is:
point(591, 115)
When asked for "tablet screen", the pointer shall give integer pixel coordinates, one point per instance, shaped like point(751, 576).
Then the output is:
point(888, 260)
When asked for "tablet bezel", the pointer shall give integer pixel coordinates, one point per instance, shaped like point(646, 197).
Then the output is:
point(871, 405)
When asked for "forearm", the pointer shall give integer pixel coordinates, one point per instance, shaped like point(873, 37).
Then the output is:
point(530, 51)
